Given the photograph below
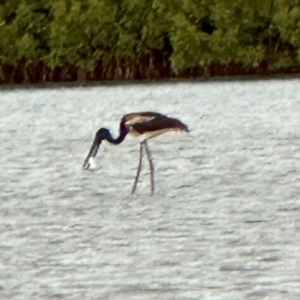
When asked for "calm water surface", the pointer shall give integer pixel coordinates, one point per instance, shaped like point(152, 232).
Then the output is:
point(224, 222)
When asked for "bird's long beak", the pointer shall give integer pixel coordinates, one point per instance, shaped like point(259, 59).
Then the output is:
point(92, 153)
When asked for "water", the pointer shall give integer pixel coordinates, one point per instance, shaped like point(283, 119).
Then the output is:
point(224, 222)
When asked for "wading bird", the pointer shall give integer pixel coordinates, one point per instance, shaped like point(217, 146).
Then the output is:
point(145, 125)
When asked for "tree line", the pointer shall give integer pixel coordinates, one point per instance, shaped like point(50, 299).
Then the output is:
point(69, 40)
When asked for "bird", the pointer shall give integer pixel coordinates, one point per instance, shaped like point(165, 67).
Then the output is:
point(145, 125)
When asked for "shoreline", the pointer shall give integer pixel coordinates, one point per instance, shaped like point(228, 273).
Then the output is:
point(121, 82)
point(39, 74)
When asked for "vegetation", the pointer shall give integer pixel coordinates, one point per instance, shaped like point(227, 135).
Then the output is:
point(66, 40)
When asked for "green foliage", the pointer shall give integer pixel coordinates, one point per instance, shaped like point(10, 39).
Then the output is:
point(196, 33)
point(287, 21)
point(23, 31)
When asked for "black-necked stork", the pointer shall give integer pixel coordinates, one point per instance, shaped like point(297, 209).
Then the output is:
point(145, 125)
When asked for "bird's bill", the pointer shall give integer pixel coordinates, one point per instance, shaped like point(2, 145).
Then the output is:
point(92, 154)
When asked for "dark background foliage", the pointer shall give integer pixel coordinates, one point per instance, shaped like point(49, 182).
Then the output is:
point(67, 40)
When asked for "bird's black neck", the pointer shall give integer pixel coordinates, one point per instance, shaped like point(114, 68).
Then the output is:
point(120, 138)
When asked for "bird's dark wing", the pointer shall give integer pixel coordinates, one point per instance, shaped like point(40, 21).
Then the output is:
point(160, 122)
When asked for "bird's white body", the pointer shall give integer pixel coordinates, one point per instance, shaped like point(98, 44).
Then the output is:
point(130, 120)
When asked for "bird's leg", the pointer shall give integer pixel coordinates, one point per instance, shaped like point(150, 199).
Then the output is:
point(138, 170)
point(151, 166)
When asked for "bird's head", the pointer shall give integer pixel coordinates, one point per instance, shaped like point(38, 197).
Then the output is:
point(101, 135)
